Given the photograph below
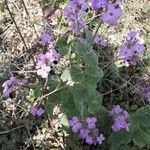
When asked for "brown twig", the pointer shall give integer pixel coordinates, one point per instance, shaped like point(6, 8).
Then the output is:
point(19, 32)
point(24, 5)
point(5, 132)
point(10, 13)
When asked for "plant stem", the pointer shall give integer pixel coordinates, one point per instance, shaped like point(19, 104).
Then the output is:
point(96, 31)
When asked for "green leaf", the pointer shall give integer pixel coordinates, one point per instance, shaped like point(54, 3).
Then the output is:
point(66, 76)
point(92, 77)
point(141, 137)
point(76, 73)
point(52, 83)
point(119, 138)
point(81, 48)
point(37, 89)
point(141, 117)
point(64, 121)
point(89, 36)
point(91, 59)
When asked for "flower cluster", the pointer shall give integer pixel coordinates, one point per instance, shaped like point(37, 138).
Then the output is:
point(46, 38)
point(44, 60)
point(120, 117)
point(90, 134)
point(132, 49)
point(111, 14)
point(8, 85)
point(145, 91)
point(101, 41)
point(97, 4)
point(37, 111)
point(75, 11)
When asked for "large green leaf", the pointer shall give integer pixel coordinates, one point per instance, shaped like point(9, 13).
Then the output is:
point(141, 117)
point(81, 48)
point(117, 139)
point(74, 73)
point(93, 76)
point(89, 36)
point(141, 136)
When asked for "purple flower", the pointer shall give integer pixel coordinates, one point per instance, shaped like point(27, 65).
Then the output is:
point(131, 35)
point(111, 14)
point(37, 112)
point(44, 71)
point(41, 59)
point(8, 85)
point(90, 134)
point(145, 91)
point(52, 55)
point(116, 110)
point(40, 112)
point(75, 124)
point(132, 49)
point(97, 4)
point(75, 12)
point(147, 95)
point(120, 123)
point(89, 140)
point(91, 122)
point(138, 48)
point(45, 38)
point(120, 117)
point(100, 40)
point(33, 111)
point(44, 61)
point(84, 133)
point(125, 52)
point(100, 139)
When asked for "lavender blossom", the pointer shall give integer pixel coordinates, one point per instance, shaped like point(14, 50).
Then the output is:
point(120, 123)
point(75, 13)
point(45, 38)
point(84, 133)
point(100, 41)
point(116, 110)
point(8, 85)
point(97, 4)
point(132, 49)
point(44, 71)
point(91, 122)
point(40, 112)
point(75, 124)
point(145, 91)
point(90, 134)
point(52, 55)
point(37, 111)
point(120, 117)
point(33, 111)
point(89, 140)
point(100, 139)
point(111, 14)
